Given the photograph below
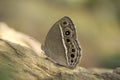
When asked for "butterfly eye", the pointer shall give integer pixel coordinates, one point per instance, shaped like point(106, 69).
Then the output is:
point(71, 61)
point(72, 55)
point(65, 23)
point(67, 32)
point(68, 40)
point(73, 50)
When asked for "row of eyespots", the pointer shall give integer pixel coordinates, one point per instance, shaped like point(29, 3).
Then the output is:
point(72, 51)
point(68, 33)
point(72, 55)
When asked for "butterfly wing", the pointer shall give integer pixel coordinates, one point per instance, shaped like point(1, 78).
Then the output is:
point(61, 44)
point(54, 47)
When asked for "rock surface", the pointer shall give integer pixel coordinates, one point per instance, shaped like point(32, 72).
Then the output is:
point(21, 58)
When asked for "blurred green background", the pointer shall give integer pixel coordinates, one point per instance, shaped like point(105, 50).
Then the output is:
point(97, 21)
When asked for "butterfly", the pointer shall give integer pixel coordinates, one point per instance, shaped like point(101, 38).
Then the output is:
point(61, 44)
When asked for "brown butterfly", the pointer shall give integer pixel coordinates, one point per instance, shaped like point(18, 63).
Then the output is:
point(61, 45)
